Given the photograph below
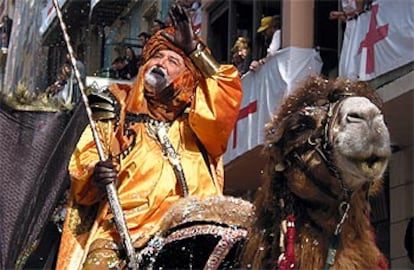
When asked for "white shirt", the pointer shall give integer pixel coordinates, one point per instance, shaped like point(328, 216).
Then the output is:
point(274, 44)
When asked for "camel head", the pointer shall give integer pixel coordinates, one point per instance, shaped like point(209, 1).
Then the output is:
point(329, 139)
point(359, 140)
point(327, 148)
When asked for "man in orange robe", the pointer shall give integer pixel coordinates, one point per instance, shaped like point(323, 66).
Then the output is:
point(181, 87)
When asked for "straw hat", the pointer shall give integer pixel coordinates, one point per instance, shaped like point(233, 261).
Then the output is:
point(264, 23)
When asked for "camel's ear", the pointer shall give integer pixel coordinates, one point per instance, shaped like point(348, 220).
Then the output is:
point(275, 132)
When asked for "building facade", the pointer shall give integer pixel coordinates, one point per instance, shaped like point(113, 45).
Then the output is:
point(312, 43)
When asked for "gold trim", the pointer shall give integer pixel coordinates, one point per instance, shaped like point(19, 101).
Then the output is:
point(204, 61)
point(103, 115)
point(102, 106)
point(220, 209)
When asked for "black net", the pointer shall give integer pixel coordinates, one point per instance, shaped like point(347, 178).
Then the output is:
point(35, 148)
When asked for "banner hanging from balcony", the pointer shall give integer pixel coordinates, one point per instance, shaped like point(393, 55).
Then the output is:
point(264, 90)
point(378, 41)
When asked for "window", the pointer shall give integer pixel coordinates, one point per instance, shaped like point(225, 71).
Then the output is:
point(230, 19)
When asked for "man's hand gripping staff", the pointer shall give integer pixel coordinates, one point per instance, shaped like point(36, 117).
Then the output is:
point(110, 187)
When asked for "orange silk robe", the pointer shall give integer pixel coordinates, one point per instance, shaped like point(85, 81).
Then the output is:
point(147, 184)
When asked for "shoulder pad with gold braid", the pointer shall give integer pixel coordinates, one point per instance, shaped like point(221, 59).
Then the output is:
point(104, 105)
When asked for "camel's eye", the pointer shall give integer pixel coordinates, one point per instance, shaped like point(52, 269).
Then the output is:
point(300, 127)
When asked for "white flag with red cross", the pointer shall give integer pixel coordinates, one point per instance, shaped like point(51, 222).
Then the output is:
point(379, 40)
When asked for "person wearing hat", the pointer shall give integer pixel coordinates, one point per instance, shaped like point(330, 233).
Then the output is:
point(164, 137)
point(270, 29)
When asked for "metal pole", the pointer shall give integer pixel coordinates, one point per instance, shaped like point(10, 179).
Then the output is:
point(110, 188)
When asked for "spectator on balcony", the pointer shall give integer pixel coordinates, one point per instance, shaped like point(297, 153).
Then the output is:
point(270, 29)
point(58, 90)
point(241, 56)
point(66, 89)
point(350, 10)
point(80, 66)
point(117, 68)
point(143, 37)
point(126, 67)
point(5, 30)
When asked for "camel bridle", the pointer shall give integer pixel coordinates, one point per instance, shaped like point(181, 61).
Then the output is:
point(321, 143)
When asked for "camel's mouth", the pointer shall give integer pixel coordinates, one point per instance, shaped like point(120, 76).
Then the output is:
point(374, 164)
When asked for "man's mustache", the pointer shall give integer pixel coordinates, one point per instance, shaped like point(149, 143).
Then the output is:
point(157, 77)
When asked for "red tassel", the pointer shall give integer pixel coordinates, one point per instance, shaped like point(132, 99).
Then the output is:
point(288, 260)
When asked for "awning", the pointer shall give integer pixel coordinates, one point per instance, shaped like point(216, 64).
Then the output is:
point(75, 15)
point(78, 14)
point(105, 12)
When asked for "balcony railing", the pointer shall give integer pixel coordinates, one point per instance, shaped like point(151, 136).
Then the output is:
point(264, 90)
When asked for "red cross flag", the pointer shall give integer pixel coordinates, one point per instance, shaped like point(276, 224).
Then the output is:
point(379, 40)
